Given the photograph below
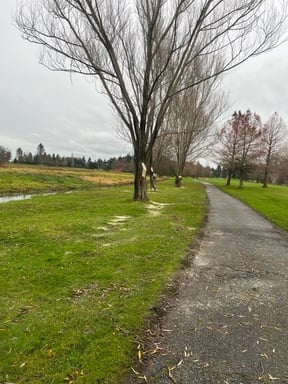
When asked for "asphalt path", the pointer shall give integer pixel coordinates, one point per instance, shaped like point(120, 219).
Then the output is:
point(228, 323)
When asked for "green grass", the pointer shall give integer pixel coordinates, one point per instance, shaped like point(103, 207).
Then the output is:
point(79, 273)
point(271, 202)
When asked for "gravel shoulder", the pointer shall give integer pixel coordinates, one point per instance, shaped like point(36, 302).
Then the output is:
point(228, 323)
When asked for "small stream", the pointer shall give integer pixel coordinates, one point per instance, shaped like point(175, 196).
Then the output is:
point(6, 199)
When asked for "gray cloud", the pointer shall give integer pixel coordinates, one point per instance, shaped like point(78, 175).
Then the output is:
point(37, 105)
point(261, 84)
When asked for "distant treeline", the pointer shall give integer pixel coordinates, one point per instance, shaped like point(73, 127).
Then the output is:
point(125, 164)
point(165, 166)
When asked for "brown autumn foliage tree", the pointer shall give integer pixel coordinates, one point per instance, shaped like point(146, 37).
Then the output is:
point(229, 147)
point(240, 144)
point(139, 53)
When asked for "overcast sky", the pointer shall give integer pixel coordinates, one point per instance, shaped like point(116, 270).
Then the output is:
point(37, 105)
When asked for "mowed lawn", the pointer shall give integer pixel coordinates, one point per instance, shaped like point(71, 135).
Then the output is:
point(79, 273)
point(271, 202)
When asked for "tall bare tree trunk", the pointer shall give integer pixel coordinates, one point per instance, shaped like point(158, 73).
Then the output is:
point(241, 179)
point(140, 183)
point(229, 176)
point(265, 180)
point(275, 135)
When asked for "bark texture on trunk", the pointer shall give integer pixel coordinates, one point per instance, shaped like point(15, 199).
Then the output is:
point(265, 181)
point(140, 183)
point(241, 179)
point(153, 180)
point(229, 176)
point(178, 181)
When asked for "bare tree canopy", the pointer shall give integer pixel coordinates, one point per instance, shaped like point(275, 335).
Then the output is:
point(274, 137)
point(140, 51)
point(5, 155)
point(190, 123)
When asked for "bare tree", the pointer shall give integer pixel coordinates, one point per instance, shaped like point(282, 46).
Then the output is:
point(250, 141)
point(191, 119)
point(229, 147)
point(274, 135)
point(283, 167)
point(5, 155)
point(143, 49)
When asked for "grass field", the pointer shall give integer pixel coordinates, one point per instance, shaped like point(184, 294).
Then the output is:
point(19, 179)
point(79, 273)
point(271, 202)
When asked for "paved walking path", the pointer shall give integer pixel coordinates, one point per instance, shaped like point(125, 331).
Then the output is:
point(230, 320)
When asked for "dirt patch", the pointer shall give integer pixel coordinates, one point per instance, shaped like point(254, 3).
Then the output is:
point(114, 222)
point(118, 220)
point(155, 209)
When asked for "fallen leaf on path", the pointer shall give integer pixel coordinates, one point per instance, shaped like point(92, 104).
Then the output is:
point(139, 354)
point(156, 349)
point(170, 370)
point(135, 372)
point(273, 378)
point(180, 363)
point(187, 353)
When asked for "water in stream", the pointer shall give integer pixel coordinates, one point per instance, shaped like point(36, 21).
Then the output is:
point(5, 199)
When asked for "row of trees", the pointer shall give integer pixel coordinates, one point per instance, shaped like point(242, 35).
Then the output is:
point(159, 62)
point(247, 146)
point(123, 163)
point(165, 167)
point(260, 155)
